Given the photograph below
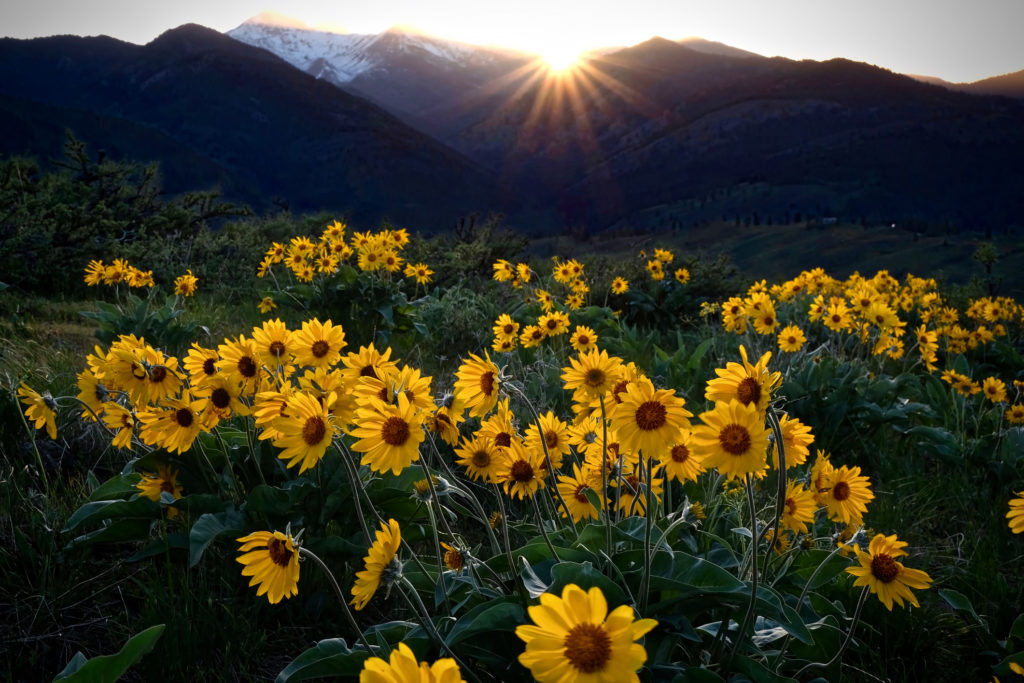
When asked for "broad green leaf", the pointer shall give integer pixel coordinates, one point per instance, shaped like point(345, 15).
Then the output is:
point(210, 526)
point(109, 668)
point(116, 488)
point(960, 602)
point(491, 617)
point(585, 576)
point(329, 658)
point(113, 509)
point(117, 531)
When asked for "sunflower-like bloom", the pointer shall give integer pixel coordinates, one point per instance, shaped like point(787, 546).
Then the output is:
point(41, 408)
point(503, 270)
point(201, 363)
point(574, 638)
point(884, 576)
point(477, 385)
point(368, 362)
point(649, 420)
point(994, 389)
point(633, 489)
point(389, 434)
point(306, 429)
point(480, 457)
point(574, 492)
point(681, 461)
point(799, 508)
point(318, 344)
point(94, 272)
point(682, 275)
point(620, 285)
point(274, 342)
point(92, 394)
point(272, 560)
point(185, 285)
point(240, 360)
point(1015, 414)
point(556, 438)
point(381, 564)
point(152, 486)
point(520, 470)
point(796, 438)
point(403, 668)
point(733, 439)
point(119, 419)
point(554, 323)
point(746, 383)
point(505, 327)
point(791, 339)
point(846, 495)
point(1015, 516)
point(532, 335)
point(583, 339)
point(174, 426)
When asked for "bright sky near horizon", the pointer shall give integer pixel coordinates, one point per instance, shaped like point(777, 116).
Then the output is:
point(951, 39)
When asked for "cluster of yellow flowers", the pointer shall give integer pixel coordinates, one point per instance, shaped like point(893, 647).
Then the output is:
point(656, 267)
point(120, 271)
point(373, 251)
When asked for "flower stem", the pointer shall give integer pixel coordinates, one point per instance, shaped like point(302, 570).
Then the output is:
point(741, 633)
point(417, 606)
point(543, 531)
point(849, 637)
point(341, 597)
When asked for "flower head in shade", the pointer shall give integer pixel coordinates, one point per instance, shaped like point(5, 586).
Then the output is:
point(42, 409)
point(402, 667)
point(381, 565)
point(884, 576)
point(271, 558)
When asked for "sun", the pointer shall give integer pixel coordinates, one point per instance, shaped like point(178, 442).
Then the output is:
point(560, 57)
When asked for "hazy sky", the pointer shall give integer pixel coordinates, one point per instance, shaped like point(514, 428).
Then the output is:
point(959, 40)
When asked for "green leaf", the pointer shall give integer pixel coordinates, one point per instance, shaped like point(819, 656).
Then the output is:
point(210, 526)
point(758, 672)
point(332, 657)
point(113, 509)
point(490, 617)
point(136, 529)
point(533, 583)
point(109, 668)
point(585, 576)
point(960, 602)
point(116, 488)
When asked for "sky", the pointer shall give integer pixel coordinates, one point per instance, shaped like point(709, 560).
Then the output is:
point(957, 40)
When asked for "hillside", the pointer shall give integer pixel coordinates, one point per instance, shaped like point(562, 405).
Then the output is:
point(212, 109)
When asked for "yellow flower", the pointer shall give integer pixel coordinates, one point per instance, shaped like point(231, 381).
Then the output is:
point(654, 267)
point(574, 638)
point(120, 420)
point(505, 327)
point(274, 342)
point(173, 426)
point(846, 495)
point(272, 560)
point(648, 420)
point(1016, 514)
point(799, 508)
point(884, 576)
point(477, 385)
point(480, 458)
point(592, 374)
point(680, 461)
point(503, 270)
point(369, 362)
point(520, 470)
point(381, 564)
point(791, 339)
point(620, 285)
point(749, 384)
point(554, 323)
point(305, 430)
point(153, 485)
point(185, 285)
point(240, 361)
point(1015, 414)
point(389, 434)
point(994, 389)
point(267, 304)
point(682, 275)
point(94, 272)
point(318, 344)
point(402, 667)
point(573, 490)
point(201, 363)
point(531, 336)
point(733, 439)
point(556, 438)
point(797, 438)
point(115, 273)
point(583, 339)
point(92, 393)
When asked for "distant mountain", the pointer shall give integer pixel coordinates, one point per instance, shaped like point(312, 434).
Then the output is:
point(712, 47)
point(214, 110)
point(406, 72)
point(1007, 85)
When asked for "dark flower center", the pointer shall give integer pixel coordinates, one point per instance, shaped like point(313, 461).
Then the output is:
point(884, 568)
point(481, 459)
point(841, 491)
point(595, 377)
point(158, 375)
point(277, 349)
point(522, 472)
point(748, 391)
point(313, 430)
point(247, 366)
point(680, 453)
point(503, 439)
point(487, 383)
point(220, 398)
point(184, 417)
point(734, 439)
point(320, 348)
point(209, 366)
point(279, 552)
point(650, 415)
point(551, 439)
point(588, 648)
point(395, 431)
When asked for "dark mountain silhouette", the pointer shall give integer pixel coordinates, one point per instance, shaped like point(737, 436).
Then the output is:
point(1007, 85)
point(214, 110)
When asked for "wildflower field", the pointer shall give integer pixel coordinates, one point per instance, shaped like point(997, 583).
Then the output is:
point(383, 457)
